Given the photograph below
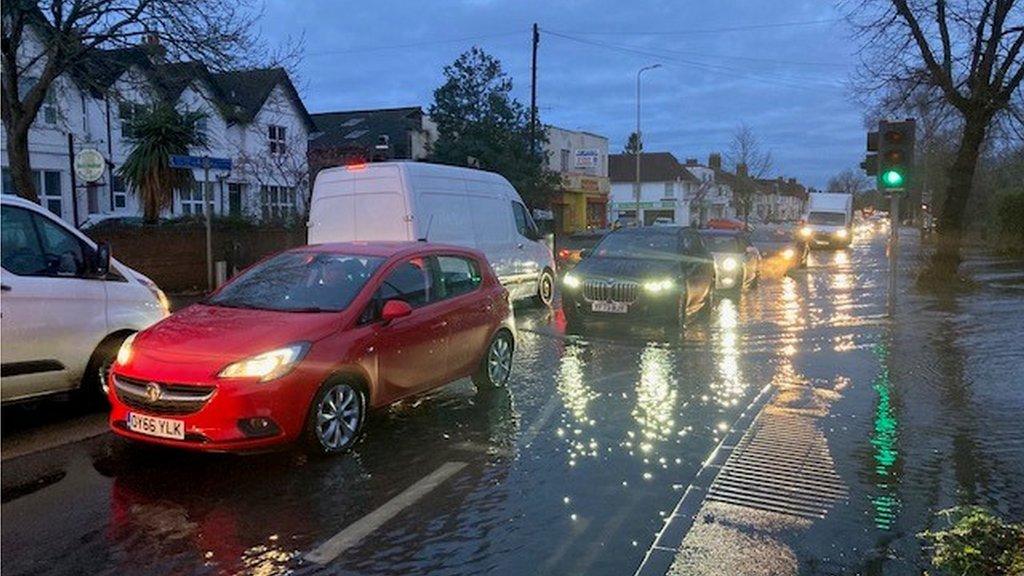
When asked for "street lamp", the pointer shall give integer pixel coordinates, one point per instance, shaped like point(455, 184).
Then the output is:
point(639, 141)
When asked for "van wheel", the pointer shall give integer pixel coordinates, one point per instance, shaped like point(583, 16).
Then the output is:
point(496, 365)
point(93, 389)
point(545, 289)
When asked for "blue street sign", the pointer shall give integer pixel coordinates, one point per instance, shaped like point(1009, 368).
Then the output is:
point(200, 162)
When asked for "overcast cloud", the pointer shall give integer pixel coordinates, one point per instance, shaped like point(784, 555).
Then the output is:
point(787, 82)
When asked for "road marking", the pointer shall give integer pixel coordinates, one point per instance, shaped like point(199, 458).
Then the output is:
point(366, 525)
point(54, 435)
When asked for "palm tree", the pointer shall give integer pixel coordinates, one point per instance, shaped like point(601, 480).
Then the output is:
point(157, 133)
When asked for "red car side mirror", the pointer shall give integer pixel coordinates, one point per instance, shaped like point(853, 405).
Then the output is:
point(395, 309)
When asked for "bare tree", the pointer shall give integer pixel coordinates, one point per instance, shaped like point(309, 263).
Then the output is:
point(44, 40)
point(748, 159)
point(965, 54)
point(849, 181)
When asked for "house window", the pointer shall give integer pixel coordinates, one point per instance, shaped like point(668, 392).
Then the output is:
point(50, 107)
point(48, 185)
point(127, 112)
point(565, 160)
point(202, 129)
point(670, 190)
point(278, 202)
point(192, 199)
point(277, 136)
point(120, 194)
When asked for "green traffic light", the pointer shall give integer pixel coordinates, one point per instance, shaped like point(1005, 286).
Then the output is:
point(892, 178)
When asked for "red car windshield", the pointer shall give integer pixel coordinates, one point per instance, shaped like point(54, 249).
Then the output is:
point(299, 282)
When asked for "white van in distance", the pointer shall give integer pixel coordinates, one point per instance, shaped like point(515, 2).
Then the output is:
point(419, 201)
point(829, 220)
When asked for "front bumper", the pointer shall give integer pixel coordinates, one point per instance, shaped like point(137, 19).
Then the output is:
point(646, 308)
point(227, 420)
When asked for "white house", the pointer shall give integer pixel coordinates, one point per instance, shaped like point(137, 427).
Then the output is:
point(253, 117)
point(714, 197)
point(666, 188)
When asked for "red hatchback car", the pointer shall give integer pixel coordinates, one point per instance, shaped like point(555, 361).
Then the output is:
point(301, 345)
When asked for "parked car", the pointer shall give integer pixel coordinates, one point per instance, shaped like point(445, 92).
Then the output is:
point(420, 201)
point(737, 261)
point(66, 306)
point(779, 250)
point(299, 347)
point(655, 273)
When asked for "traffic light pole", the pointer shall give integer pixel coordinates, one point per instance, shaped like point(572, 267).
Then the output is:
point(894, 242)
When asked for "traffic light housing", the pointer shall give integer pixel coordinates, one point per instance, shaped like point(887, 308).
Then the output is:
point(870, 163)
point(895, 158)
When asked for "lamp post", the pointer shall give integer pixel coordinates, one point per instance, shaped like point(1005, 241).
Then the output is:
point(639, 142)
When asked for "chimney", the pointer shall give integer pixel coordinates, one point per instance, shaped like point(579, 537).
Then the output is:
point(792, 181)
point(715, 161)
point(691, 161)
point(155, 50)
point(741, 170)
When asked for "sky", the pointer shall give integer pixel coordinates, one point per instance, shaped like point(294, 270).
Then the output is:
point(781, 67)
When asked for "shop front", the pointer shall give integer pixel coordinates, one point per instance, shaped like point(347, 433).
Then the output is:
point(582, 204)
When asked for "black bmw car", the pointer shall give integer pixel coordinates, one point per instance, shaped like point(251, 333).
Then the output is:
point(659, 274)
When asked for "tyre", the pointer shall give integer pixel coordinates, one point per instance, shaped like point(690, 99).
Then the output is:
point(496, 365)
point(545, 289)
point(336, 418)
point(93, 389)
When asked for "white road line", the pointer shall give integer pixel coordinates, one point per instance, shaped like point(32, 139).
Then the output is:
point(366, 525)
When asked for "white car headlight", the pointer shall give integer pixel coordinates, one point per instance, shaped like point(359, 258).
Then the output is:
point(841, 233)
point(788, 253)
point(729, 264)
point(266, 366)
point(657, 286)
point(124, 353)
point(806, 231)
point(572, 281)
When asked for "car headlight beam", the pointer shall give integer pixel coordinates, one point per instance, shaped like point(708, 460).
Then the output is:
point(572, 281)
point(806, 231)
point(788, 253)
point(266, 366)
point(841, 233)
point(124, 353)
point(729, 264)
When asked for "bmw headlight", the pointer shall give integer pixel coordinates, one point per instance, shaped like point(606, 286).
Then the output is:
point(572, 281)
point(268, 365)
point(657, 286)
point(806, 232)
point(729, 264)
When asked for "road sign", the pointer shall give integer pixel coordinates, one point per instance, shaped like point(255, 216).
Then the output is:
point(199, 162)
point(89, 165)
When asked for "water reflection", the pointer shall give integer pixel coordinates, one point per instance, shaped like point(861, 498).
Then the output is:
point(884, 436)
point(656, 396)
point(729, 388)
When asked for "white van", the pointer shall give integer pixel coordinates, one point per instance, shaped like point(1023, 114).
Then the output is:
point(66, 305)
point(420, 201)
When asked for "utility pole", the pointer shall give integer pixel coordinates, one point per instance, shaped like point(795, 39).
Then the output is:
point(533, 91)
point(639, 142)
point(74, 182)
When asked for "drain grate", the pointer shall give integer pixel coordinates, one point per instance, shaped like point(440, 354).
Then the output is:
point(782, 464)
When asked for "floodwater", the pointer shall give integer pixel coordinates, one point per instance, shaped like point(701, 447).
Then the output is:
point(574, 468)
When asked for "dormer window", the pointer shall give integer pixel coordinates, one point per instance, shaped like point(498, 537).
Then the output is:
point(277, 136)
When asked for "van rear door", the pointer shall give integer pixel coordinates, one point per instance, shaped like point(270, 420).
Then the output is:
point(367, 204)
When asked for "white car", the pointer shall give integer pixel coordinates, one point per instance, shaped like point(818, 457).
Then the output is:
point(66, 306)
point(409, 201)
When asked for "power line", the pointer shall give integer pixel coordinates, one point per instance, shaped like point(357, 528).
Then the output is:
point(797, 83)
point(746, 28)
point(417, 44)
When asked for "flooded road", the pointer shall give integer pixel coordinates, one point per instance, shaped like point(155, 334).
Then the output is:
point(573, 470)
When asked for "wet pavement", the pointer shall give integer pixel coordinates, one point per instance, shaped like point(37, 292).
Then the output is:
point(576, 467)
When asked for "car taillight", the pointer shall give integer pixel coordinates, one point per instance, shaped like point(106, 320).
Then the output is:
point(563, 254)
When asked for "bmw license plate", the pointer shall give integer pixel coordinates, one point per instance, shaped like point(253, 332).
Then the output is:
point(153, 426)
point(613, 307)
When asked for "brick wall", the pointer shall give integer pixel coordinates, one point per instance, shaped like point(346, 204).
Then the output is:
point(175, 256)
